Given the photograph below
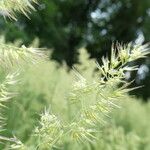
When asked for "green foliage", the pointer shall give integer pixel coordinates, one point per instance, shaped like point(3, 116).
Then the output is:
point(77, 113)
point(11, 55)
point(128, 127)
point(66, 25)
point(61, 125)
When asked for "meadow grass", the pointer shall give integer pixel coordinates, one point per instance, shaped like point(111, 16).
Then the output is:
point(46, 85)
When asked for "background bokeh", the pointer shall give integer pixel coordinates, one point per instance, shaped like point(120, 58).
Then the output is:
point(64, 26)
point(77, 33)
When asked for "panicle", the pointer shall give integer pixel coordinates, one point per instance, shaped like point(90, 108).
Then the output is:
point(8, 8)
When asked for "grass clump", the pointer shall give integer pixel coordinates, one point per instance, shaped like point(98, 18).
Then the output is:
point(78, 114)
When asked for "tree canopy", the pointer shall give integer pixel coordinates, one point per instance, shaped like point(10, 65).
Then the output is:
point(67, 25)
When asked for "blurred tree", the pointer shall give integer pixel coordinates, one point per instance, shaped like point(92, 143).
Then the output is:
point(67, 25)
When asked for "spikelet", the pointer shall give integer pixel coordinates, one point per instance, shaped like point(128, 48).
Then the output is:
point(8, 8)
point(11, 55)
point(105, 88)
point(49, 130)
point(94, 114)
point(6, 94)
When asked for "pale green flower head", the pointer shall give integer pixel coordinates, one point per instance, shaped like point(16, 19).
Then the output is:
point(8, 8)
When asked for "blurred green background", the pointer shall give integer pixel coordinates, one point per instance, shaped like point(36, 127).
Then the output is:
point(76, 33)
point(64, 26)
point(46, 85)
